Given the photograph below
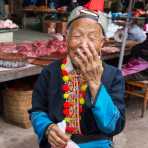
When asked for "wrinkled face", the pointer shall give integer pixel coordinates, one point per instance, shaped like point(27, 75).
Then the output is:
point(83, 32)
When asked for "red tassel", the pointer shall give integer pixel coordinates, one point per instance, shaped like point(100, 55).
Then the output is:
point(64, 73)
point(66, 112)
point(80, 109)
point(83, 94)
point(70, 129)
point(65, 88)
point(67, 104)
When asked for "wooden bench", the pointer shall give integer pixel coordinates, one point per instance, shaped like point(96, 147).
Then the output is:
point(139, 89)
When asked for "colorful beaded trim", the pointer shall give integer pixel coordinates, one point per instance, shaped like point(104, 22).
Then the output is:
point(74, 89)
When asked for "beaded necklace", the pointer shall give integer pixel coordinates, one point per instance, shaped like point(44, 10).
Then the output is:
point(74, 93)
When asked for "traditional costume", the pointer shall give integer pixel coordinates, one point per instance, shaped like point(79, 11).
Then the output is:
point(62, 96)
point(97, 121)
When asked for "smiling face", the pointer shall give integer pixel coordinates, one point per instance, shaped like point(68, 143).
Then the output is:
point(83, 32)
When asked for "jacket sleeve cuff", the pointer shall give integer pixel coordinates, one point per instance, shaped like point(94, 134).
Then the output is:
point(105, 112)
point(40, 122)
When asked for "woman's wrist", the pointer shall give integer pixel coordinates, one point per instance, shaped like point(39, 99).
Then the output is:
point(49, 128)
point(94, 87)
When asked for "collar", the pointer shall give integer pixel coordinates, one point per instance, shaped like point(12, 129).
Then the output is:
point(69, 66)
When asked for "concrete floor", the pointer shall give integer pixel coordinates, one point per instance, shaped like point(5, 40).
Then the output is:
point(15, 137)
point(135, 134)
point(136, 131)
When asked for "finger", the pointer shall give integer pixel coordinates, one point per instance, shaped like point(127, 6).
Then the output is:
point(57, 140)
point(88, 54)
point(51, 141)
point(62, 135)
point(82, 55)
point(93, 51)
point(99, 69)
point(98, 58)
point(77, 61)
point(53, 145)
point(80, 64)
point(100, 64)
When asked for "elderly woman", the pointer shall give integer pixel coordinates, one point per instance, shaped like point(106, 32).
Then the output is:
point(79, 99)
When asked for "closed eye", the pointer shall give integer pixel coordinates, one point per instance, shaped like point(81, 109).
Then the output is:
point(93, 38)
point(75, 36)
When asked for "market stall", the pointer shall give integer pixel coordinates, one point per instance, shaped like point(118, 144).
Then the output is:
point(21, 62)
point(17, 73)
point(27, 58)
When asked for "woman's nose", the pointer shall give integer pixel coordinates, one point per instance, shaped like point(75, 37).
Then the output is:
point(84, 44)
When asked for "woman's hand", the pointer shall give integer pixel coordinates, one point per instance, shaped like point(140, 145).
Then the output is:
point(90, 66)
point(56, 137)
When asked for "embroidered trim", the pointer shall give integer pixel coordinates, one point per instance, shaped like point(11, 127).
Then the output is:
point(74, 89)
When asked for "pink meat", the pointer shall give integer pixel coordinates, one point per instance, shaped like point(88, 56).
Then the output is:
point(36, 48)
point(8, 47)
point(57, 46)
point(7, 24)
point(24, 47)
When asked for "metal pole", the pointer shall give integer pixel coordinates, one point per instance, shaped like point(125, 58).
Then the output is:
point(46, 3)
point(125, 36)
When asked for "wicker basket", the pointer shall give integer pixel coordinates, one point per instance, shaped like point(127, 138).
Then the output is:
point(16, 105)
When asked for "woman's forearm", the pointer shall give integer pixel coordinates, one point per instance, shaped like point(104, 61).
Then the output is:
point(94, 87)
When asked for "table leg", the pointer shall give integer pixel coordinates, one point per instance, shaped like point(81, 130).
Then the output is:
point(146, 97)
point(145, 103)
